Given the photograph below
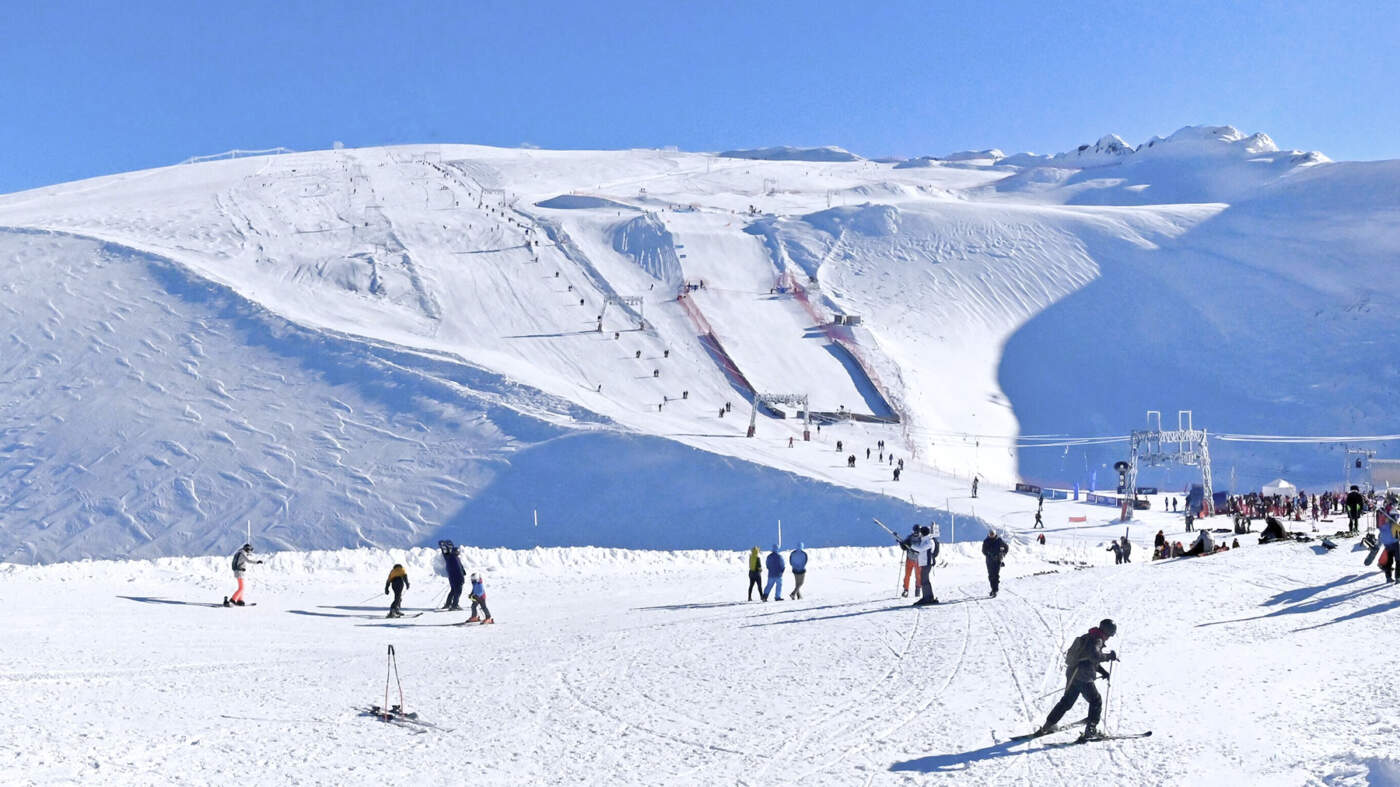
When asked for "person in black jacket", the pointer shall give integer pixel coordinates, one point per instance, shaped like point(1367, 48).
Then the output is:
point(994, 549)
point(456, 575)
point(1355, 505)
point(1083, 664)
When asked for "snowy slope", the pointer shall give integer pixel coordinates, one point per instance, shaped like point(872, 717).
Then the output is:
point(1257, 666)
point(419, 325)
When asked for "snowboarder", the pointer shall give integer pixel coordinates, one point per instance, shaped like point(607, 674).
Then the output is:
point(798, 561)
point(456, 575)
point(756, 574)
point(927, 548)
point(1355, 505)
point(478, 597)
point(1083, 665)
point(994, 549)
point(241, 559)
point(398, 579)
point(775, 575)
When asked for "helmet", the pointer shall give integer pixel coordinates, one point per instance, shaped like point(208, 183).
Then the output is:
point(476, 577)
point(923, 531)
point(1108, 627)
point(247, 547)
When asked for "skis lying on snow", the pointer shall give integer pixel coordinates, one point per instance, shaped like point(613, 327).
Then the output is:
point(414, 615)
point(395, 715)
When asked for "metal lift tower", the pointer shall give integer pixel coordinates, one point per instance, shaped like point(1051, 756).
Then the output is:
point(1184, 445)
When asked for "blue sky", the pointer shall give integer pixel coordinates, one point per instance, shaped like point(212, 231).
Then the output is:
point(90, 88)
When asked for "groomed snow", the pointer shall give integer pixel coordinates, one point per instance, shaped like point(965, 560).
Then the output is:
point(1264, 665)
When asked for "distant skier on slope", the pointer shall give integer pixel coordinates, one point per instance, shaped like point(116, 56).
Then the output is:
point(775, 575)
point(798, 560)
point(911, 562)
point(456, 575)
point(398, 580)
point(994, 549)
point(1083, 664)
point(1126, 547)
point(756, 574)
point(927, 548)
point(241, 559)
point(478, 597)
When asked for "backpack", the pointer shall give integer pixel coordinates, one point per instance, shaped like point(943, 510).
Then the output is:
point(1078, 650)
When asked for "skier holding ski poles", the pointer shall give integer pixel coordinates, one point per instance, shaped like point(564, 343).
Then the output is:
point(398, 579)
point(927, 548)
point(456, 575)
point(911, 561)
point(1083, 664)
point(241, 559)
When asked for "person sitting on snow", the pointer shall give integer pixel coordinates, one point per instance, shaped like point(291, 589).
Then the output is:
point(1205, 544)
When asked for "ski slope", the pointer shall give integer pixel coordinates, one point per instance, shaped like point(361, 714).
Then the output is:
point(1256, 666)
point(459, 340)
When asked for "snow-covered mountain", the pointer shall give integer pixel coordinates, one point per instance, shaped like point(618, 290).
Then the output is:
point(517, 347)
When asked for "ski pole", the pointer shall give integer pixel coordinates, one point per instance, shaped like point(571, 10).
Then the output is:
point(1107, 693)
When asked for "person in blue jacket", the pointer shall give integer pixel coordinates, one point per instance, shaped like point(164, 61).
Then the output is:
point(1389, 541)
point(456, 575)
point(478, 597)
point(775, 575)
point(798, 560)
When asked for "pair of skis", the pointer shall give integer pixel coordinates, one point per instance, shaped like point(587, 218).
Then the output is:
point(395, 714)
point(1098, 737)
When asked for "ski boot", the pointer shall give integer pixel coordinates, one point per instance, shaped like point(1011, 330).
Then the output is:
point(1091, 732)
point(994, 594)
point(905, 594)
point(226, 602)
point(488, 620)
point(238, 603)
point(473, 619)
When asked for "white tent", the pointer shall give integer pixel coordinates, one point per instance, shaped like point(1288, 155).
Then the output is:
point(1278, 486)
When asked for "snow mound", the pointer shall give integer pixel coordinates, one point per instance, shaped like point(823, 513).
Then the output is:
point(827, 153)
point(581, 202)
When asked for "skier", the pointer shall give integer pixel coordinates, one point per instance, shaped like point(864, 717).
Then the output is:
point(974, 486)
point(756, 574)
point(478, 597)
point(398, 579)
point(1355, 504)
point(1389, 542)
point(911, 561)
point(798, 560)
point(1038, 522)
point(927, 548)
point(241, 560)
point(994, 549)
point(775, 575)
point(456, 575)
point(1083, 664)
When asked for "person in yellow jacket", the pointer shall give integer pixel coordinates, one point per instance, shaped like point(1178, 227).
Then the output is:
point(398, 579)
point(755, 572)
